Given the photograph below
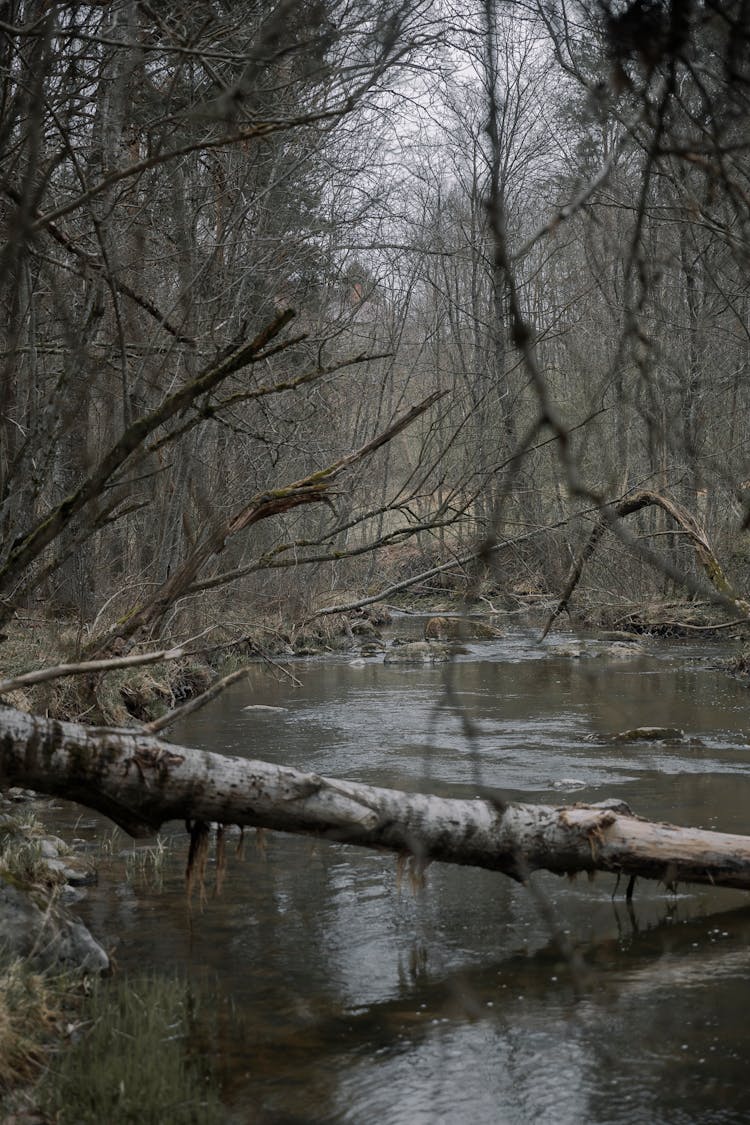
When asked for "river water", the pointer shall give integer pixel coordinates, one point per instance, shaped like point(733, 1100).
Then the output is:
point(341, 992)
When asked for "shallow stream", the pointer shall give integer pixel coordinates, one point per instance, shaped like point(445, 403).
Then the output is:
point(341, 993)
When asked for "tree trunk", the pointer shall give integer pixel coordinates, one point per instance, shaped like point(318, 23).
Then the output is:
point(140, 782)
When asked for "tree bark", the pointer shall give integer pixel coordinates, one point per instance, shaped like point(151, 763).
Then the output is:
point(140, 782)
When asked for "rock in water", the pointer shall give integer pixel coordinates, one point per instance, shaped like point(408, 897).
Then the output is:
point(620, 650)
point(569, 783)
point(418, 652)
point(649, 734)
point(460, 629)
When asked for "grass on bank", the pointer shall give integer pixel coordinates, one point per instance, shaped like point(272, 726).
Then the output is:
point(32, 1008)
point(83, 1053)
point(136, 1060)
point(22, 862)
point(79, 1050)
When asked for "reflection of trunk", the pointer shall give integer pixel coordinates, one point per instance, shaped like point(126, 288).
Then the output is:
point(141, 782)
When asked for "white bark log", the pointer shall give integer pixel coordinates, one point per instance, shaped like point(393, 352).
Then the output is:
point(141, 782)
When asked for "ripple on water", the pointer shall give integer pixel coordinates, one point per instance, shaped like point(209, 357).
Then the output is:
point(356, 996)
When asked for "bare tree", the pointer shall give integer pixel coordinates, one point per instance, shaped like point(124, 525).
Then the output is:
point(172, 206)
point(165, 411)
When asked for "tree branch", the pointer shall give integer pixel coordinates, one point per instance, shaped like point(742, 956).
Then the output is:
point(28, 546)
point(311, 489)
point(635, 503)
point(83, 667)
point(92, 263)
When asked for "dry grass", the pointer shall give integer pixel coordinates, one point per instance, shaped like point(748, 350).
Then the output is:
point(21, 859)
point(115, 698)
point(31, 1002)
point(31, 1018)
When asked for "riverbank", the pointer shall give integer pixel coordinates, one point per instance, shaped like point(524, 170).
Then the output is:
point(143, 693)
point(62, 1055)
point(65, 1015)
point(46, 954)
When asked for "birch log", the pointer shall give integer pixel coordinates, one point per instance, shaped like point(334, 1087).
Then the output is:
point(140, 782)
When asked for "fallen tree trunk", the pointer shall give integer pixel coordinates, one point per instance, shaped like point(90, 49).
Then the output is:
point(689, 526)
point(140, 782)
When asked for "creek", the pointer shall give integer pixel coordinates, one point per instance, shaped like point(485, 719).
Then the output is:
point(343, 992)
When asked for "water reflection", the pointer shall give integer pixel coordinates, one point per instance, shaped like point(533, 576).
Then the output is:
point(344, 996)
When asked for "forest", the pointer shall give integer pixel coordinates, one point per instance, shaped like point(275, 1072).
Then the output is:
point(314, 313)
point(242, 245)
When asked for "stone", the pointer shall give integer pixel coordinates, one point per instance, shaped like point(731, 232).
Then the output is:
point(49, 938)
point(418, 652)
point(364, 628)
point(569, 783)
point(72, 870)
point(649, 734)
point(50, 847)
point(621, 650)
point(15, 793)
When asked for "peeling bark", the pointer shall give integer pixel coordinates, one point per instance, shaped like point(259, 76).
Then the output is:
point(140, 782)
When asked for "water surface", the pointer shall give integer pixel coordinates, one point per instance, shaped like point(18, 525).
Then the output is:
point(343, 993)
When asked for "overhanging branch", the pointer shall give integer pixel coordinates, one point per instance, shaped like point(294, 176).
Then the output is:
point(698, 539)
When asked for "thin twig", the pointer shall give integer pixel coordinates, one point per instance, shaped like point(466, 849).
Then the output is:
point(194, 704)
